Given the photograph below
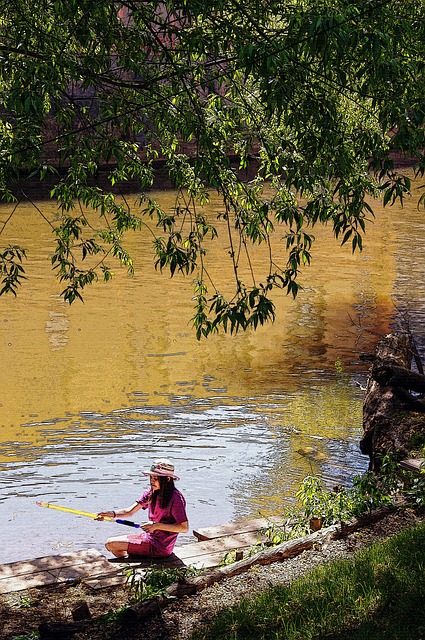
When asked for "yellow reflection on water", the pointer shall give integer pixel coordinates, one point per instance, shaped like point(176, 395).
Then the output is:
point(134, 335)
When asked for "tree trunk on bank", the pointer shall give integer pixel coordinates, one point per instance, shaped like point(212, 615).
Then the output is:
point(391, 413)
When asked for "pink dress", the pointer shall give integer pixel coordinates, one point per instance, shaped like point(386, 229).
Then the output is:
point(158, 543)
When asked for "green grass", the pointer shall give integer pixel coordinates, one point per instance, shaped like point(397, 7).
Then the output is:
point(377, 595)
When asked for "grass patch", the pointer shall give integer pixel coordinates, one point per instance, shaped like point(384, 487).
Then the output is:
point(378, 594)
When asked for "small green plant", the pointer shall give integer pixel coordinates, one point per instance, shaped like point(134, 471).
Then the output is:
point(340, 504)
point(31, 635)
point(113, 615)
point(25, 602)
point(317, 502)
point(231, 556)
point(415, 490)
point(153, 581)
point(418, 491)
point(310, 496)
point(278, 533)
point(339, 366)
point(369, 493)
point(314, 502)
point(373, 490)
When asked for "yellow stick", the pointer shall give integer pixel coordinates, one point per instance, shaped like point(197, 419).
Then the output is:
point(79, 513)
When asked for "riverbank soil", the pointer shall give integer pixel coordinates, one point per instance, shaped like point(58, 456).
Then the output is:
point(48, 611)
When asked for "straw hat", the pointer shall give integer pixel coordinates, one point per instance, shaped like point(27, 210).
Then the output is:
point(161, 468)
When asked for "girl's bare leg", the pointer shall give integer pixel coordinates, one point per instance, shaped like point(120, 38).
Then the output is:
point(118, 546)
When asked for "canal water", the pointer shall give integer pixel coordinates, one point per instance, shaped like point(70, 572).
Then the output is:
point(92, 392)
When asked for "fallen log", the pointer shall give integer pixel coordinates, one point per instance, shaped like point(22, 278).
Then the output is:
point(410, 403)
point(396, 376)
point(279, 553)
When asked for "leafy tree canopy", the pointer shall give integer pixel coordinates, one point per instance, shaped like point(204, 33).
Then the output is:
point(316, 94)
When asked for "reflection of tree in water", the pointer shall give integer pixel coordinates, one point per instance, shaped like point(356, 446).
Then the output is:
point(409, 286)
point(57, 329)
point(316, 433)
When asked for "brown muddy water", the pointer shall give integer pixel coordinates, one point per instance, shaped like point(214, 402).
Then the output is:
point(92, 392)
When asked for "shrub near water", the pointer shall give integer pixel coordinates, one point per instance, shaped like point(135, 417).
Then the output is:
point(153, 581)
point(378, 594)
point(369, 492)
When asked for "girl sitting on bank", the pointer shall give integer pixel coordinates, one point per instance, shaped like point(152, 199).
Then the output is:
point(166, 512)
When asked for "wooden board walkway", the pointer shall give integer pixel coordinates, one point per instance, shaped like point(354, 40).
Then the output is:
point(211, 553)
point(96, 571)
point(232, 528)
point(89, 565)
point(217, 541)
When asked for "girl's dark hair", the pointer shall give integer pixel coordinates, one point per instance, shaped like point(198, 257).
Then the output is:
point(163, 495)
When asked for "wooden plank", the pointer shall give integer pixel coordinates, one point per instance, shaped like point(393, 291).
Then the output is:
point(168, 561)
point(232, 528)
point(413, 464)
point(68, 567)
point(209, 561)
point(211, 552)
point(29, 581)
point(198, 551)
point(101, 582)
point(238, 541)
point(49, 563)
point(45, 578)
